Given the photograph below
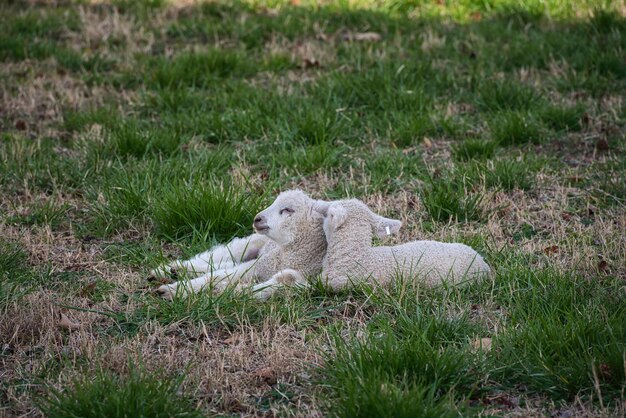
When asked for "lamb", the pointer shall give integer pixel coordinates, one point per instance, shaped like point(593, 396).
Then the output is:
point(288, 246)
point(349, 225)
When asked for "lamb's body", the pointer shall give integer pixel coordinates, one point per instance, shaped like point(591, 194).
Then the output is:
point(351, 257)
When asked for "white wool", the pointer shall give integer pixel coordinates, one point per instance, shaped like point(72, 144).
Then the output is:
point(349, 226)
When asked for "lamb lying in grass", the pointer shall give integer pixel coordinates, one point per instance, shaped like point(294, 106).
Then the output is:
point(288, 247)
point(349, 225)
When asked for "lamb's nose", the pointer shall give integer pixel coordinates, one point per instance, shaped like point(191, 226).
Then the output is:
point(258, 220)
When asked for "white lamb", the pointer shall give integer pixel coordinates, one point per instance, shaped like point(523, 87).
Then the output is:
point(349, 226)
point(289, 245)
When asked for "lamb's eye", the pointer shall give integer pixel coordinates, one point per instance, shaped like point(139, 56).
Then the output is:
point(286, 210)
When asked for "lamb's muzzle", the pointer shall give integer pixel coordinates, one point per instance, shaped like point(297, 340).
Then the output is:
point(260, 223)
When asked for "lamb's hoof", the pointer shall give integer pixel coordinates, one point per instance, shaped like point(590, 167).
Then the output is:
point(262, 295)
point(163, 275)
point(166, 291)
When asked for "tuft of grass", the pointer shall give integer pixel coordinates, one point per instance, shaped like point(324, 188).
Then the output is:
point(448, 198)
point(561, 118)
point(13, 260)
point(305, 159)
point(412, 128)
point(49, 213)
point(610, 180)
point(134, 139)
point(14, 274)
point(310, 126)
point(199, 69)
point(221, 209)
point(515, 128)
point(505, 174)
point(504, 95)
point(474, 149)
point(139, 394)
point(76, 121)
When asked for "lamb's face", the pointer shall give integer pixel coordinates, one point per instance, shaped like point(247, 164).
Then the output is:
point(280, 221)
point(354, 216)
point(349, 215)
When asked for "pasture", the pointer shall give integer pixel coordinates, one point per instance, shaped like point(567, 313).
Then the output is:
point(136, 132)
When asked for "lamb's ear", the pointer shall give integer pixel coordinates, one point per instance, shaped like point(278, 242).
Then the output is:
point(320, 208)
point(385, 226)
point(336, 216)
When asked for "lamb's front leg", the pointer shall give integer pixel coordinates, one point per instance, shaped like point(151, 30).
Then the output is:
point(287, 277)
point(220, 279)
point(220, 257)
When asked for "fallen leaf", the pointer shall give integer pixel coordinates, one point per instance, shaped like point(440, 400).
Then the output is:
point(502, 399)
point(230, 340)
point(363, 37)
point(427, 142)
point(553, 249)
point(483, 344)
point(89, 289)
point(602, 144)
point(20, 125)
point(586, 119)
point(476, 16)
point(408, 151)
point(266, 374)
point(66, 323)
point(310, 63)
point(603, 266)
point(605, 371)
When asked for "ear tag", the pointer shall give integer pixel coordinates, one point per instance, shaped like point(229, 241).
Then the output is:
point(387, 230)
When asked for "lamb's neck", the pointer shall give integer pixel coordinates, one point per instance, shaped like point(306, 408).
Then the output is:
point(312, 242)
point(346, 245)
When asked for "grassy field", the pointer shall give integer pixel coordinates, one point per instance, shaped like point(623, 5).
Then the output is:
point(134, 132)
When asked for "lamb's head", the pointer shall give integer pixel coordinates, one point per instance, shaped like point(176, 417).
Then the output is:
point(284, 219)
point(354, 217)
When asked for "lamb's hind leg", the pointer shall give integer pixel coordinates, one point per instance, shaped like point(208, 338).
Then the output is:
point(220, 257)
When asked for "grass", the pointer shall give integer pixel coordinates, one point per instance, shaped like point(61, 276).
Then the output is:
point(474, 149)
point(515, 128)
point(136, 132)
point(450, 198)
point(138, 394)
point(220, 209)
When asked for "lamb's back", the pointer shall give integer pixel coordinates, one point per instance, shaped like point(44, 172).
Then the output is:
point(432, 261)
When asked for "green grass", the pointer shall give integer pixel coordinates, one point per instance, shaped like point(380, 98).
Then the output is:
point(474, 149)
point(222, 210)
point(139, 394)
point(558, 346)
point(450, 197)
point(503, 174)
point(136, 132)
point(417, 358)
point(516, 128)
point(507, 95)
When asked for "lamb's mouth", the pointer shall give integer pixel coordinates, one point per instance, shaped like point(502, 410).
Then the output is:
point(261, 230)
